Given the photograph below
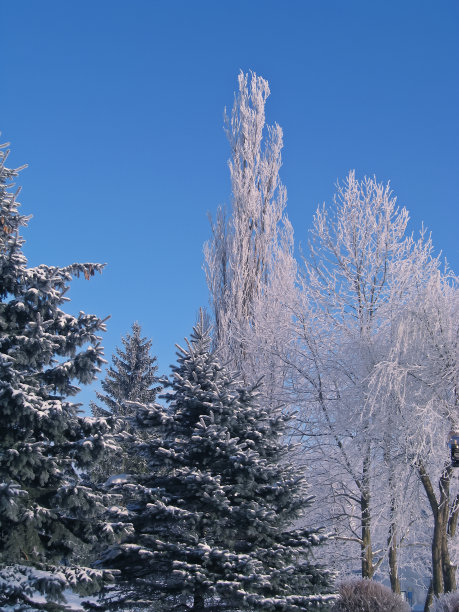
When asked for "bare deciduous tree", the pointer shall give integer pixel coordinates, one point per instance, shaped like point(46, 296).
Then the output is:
point(419, 381)
point(351, 284)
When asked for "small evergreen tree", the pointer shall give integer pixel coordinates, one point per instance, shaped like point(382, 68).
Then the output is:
point(131, 378)
point(213, 529)
point(47, 513)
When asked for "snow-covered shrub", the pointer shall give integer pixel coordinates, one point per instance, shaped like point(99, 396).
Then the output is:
point(368, 596)
point(448, 602)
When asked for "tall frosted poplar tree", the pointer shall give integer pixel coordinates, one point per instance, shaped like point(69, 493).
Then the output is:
point(249, 260)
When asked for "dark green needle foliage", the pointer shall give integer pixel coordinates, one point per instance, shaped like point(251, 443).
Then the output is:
point(131, 378)
point(213, 515)
point(48, 514)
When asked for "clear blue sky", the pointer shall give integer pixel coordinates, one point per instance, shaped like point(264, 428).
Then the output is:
point(117, 108)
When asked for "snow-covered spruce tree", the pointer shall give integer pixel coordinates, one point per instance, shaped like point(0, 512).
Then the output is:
point(249, 261)
point(131, 378)
point(46, 512)
point(215, 529)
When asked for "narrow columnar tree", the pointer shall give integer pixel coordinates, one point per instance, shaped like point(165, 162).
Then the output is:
point(131, 378)
point(249, 261)
point(48, 515)
point(214, 529)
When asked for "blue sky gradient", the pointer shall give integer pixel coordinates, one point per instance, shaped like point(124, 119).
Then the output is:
point(118, 109)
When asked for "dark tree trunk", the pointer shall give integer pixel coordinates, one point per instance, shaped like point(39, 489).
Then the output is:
point(448, 570)
point(443, 572)
point(392, 537)
point(450, 579)
point(429, 597)
point(437, 573)
point(393, 561)
point(366, 549)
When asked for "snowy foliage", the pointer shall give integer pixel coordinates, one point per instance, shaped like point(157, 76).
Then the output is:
point(250, 266)
point(368, 596)
point(48, 515)
point(342, 314)
point(201, 504)
point(417, 389)
point(448, 602)
point(132, 378)
point(363, 343)
point(213, 515)
point(24, 587)
point(360, 281)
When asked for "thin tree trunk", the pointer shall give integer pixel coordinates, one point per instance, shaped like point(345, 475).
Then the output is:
point(437, 557)
point(367, 553)
point(451, 531)
point(366, 549)
point(393, 562)
point(448, 570)
point(392, 541)
point(437, 571)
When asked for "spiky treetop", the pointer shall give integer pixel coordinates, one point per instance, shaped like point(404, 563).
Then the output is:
point(132, 378)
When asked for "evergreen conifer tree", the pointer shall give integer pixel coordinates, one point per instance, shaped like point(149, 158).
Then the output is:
point(47, 513)
point(131, 378)
point(214, 530)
